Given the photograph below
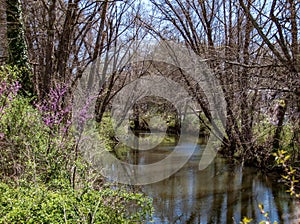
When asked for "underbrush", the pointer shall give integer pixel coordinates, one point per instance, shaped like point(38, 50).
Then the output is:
point(43, 176)
point(39, 204)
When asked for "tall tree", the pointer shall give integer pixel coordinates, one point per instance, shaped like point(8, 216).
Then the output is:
point(3, 32)
point(239, 40)
point(15, 34)
point(283, 42)
point(17, 49)
point(65, 37)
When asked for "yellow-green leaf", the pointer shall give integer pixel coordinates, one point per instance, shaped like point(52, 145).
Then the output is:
point(247, 220)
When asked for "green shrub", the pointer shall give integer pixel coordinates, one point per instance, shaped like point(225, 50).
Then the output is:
point(38, 204)
point(41, 162)
point(31, 150)
point(106, 132)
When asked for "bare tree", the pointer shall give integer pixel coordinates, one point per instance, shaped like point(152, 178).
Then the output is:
point(282, 40)
point(239, 39)
point(58, 33)
point(67, 36)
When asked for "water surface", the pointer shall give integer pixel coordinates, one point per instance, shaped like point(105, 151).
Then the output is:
point(222, 193)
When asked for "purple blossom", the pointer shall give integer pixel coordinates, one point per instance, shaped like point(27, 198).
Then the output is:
point(85, 112)
point(56, 113)
point(3, 87)
point(53, 108)
point(15, 87)
point(7, 94)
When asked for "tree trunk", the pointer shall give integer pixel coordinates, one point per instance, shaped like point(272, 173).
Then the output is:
point(17, 49)
point(3, 32)
point(16, 42)
point(280, 119)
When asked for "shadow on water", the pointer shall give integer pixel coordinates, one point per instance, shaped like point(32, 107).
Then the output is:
point(219, 194)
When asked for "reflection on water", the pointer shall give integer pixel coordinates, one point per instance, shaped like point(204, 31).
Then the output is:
point(219, 194)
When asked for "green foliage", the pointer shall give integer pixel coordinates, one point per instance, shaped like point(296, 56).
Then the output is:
point(39, 161)
point(107, 132)
point(265, 130)
point(290, 177)
point(17, 48)
point(31, 151)
point(267, 220)
point(15, 34)
point(192, 123)
point(39, 204)
point(245, 220)
point(266, 215)
point(9, 73)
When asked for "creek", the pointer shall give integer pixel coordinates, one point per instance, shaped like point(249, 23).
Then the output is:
point(221, 193)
